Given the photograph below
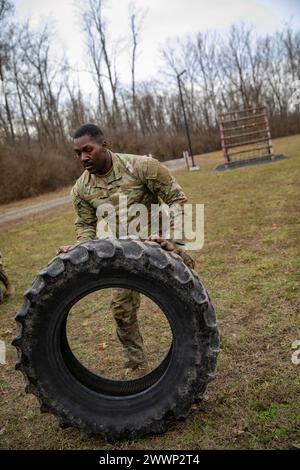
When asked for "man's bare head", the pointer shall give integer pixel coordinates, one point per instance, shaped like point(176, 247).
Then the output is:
point(91, 148)
point(91, 130)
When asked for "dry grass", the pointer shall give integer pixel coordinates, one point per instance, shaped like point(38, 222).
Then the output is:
point(30, 172)
point(250, 265)
point(92, 336)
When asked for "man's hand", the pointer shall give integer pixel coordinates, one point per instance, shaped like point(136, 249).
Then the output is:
point(63, 249)
point(165, 244)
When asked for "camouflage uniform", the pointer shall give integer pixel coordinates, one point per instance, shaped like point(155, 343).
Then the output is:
point(142, 180)
point(3, 278)
point(3, 275)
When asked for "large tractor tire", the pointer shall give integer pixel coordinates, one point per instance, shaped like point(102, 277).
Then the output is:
point(94, 404)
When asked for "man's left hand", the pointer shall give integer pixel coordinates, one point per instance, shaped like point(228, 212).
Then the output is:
point(167, 245)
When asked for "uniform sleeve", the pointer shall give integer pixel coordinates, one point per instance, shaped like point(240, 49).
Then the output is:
point(86, 221)
point(159, 181)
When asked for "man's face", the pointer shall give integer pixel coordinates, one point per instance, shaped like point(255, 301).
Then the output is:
point(92, 153)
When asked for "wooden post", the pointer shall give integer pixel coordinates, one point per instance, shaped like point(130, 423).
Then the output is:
point(270, 146)
point(221, 126)
point(185, 154)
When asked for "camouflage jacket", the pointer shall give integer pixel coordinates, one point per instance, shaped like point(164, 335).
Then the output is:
point(143, 180)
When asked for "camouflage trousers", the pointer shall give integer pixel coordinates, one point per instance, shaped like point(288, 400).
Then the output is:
point(124, 305)
point(3, 275)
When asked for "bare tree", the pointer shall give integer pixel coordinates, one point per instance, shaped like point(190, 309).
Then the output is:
point(41, 83)
point(6, 9)
point(17, 79)
point(136, 17)
point(95, 27)
point(75, 107)
point(96, 56)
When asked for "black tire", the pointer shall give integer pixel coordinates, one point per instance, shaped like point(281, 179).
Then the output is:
point(99, 406)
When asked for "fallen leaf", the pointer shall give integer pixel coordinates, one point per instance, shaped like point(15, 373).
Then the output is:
point(102, 347)
point(239, 431)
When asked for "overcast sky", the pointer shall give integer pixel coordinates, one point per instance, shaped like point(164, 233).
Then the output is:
point(164, 19)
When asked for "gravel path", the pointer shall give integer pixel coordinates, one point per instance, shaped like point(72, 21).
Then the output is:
point(9, 216)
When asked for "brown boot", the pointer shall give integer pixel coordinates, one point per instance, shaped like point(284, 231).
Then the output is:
point(132, 373)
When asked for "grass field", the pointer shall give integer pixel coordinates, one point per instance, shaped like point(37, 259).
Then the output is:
point(250, 265)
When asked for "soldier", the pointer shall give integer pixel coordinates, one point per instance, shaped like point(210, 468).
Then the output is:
point(107, 177)
point(10, 290)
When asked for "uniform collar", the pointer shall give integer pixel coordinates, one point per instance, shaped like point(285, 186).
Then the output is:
point(113, 175)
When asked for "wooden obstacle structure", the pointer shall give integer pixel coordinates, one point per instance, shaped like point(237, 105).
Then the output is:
point(187, 157)
point(245, 134)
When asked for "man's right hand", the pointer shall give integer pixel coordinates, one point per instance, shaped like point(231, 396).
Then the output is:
point(63, 249)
